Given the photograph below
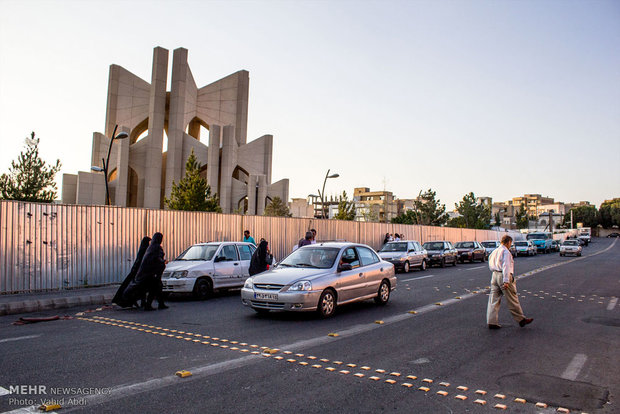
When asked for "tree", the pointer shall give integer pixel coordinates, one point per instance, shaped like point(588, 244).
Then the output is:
point(192, 193)
point(474, 215)
point(277, 208)
point(498, 221)
point(427, 210)
point(30, 178)
point(588, 215)
point(407, 217)
point(346, 208)
point(609, 213)
point(522, 218)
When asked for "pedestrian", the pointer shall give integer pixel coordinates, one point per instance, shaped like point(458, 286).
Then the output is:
point(261, 259)
point(313, 241)
point(148, 278)
point(396, 237)
point(305, 241)
point(391, 237)
point(387, 238)
point(503, 283)
point(247, 238)
point(118, 298)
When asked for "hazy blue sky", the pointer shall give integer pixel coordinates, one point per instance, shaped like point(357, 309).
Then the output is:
point(500, 98)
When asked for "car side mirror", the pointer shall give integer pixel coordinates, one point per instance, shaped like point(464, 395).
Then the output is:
point(345, 267)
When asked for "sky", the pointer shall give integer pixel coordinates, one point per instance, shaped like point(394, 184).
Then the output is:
point(500, 98)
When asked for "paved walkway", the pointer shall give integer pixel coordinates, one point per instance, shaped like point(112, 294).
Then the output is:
point(34, 302)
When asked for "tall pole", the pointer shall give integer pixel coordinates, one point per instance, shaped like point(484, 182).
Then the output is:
point(105, 167)
point(323, 196)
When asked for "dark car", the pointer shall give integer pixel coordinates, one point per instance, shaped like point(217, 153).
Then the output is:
point(613, 235)
point(470, 251)
point(440, 252)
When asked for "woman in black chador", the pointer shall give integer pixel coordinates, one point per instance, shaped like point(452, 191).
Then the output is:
point(260, 259)
point(118, 298)
point(148, 278)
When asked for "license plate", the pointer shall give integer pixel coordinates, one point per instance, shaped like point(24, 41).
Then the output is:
point(266, 296)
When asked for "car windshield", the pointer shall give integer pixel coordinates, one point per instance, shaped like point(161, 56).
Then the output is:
point(394, 247)
point(433, 245)
point(570, 243)
point(521, 243)
point(489, 244)
point(199, 252)
point(316, 257)
point(464, 245)
point(536, 236)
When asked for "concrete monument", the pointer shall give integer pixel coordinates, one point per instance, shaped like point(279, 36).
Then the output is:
point(141, 171)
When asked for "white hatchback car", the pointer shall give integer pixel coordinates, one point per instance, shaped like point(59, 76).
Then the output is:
point(525, 247)
point(570, 247)
point(206, 267)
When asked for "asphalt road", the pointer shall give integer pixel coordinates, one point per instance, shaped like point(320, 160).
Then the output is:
point(125, 360)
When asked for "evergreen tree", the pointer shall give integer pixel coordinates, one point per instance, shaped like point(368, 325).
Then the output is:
point(522, 218)
point(474, 215)
point(609, 213)
point(346, 208)
point(192, 193)
point(407, 217)
point(588, 215)
point(430, 209)
point(30, 178)
point(277, 208)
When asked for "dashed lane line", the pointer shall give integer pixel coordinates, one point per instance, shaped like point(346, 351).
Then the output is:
point(19, 338)
point(574, 367)
point(416, 278)
point(474, 268)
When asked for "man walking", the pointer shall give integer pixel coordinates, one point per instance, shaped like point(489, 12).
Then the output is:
point(503, 283)
point(247, 238)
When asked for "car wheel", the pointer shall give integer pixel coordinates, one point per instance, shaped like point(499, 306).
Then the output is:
point(406, 267)
point(423, 265)
point(484, 259)
point(203, 289)
point(443, 262)
point(383, 295)
point(327, 304)
point(579, 254)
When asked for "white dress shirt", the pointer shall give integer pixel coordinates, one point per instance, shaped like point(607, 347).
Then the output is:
point(501, 261)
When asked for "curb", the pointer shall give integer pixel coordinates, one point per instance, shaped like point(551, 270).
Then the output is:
point(27, 306)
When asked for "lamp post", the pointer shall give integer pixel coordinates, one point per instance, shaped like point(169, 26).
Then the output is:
point(106, 162)
point(322, 193)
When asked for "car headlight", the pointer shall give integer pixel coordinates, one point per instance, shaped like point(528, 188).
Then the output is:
point(301, 285)
point(402, 259)
point(249, 283)
point(179, 274)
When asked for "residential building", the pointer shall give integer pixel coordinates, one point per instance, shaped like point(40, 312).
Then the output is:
point(374, 205)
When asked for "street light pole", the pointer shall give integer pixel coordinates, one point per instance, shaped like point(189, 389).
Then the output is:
point(322, 193)
point(106, 162)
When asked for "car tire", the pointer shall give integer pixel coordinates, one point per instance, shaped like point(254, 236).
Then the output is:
point(383, 294)
point(443, 262)
point(327, 304)
point(579, 254)
point(203, 289)
point(406, 267)
point(484, 259)
point(423, 265)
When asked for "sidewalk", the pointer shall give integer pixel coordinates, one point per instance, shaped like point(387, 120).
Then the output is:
point(34, 302)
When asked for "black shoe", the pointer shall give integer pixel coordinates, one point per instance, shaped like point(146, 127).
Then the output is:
point(148, 307)
point(491, 326)
point(525, 321)
point(163, 306)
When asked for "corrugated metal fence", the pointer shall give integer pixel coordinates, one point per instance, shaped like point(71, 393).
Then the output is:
point(53, 247)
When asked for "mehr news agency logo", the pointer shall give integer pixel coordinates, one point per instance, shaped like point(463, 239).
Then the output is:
point(46, 395)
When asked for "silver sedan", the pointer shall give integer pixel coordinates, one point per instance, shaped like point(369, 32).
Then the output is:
point(319, 277)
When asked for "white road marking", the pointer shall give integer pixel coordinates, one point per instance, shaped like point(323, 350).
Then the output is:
point(612, 304)
point(19, 338)
point(572, 370)
point(4, 391)
point(416, 278)
point(477, 267)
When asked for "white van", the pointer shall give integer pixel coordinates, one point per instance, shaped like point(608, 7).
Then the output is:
point(206, 267)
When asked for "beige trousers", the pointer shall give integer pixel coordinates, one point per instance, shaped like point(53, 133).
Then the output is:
point(495, 299)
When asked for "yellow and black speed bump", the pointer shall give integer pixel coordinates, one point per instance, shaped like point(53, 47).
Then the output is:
point(49, 407)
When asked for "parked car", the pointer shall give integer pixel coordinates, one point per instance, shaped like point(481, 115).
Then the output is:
point(555, 245)
point(321, 277)
point(404, 254)
point(570, 247)
point(489, 246)
point(205, 267)
point(525, 248)
point(613, 235)
point(470, 251)
point(542, 241)
point(440, 252)
point(585, 237)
